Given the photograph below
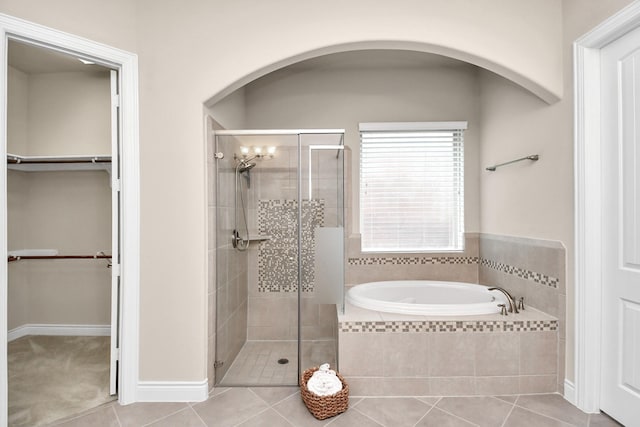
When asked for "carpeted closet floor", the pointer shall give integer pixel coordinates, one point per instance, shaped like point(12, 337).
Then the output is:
point(52, 377)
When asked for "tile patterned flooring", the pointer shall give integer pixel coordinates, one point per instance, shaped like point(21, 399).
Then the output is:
point(257, 363)
point(282, 407)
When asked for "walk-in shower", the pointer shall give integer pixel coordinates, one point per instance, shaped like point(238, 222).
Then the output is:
point(279, 253)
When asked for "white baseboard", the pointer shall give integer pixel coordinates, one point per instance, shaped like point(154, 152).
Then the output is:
point(570, 392)
point(172, 391)
point(60, 330)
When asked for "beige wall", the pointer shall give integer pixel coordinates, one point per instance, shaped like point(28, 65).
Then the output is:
point(335, 97)
point(59, 113)
point(69, 113)
point(536, 200)
point(188, 54)
point(17, 110)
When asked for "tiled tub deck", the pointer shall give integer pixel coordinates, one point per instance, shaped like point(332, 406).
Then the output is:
point(383, 354)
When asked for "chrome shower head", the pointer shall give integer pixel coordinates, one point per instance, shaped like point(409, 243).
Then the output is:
point(245, 167)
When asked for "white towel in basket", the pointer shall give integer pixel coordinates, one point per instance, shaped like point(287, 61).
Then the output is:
point(324, 381)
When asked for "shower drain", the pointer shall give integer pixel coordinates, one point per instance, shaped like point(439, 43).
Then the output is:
point(283, 361)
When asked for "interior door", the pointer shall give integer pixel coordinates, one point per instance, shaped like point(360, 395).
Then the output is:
point(620, 97)
point(115, 233)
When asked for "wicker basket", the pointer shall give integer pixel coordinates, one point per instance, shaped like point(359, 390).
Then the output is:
point(323, 407)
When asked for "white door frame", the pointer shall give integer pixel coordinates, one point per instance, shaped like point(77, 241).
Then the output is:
point(127, 65)
point(585, 393)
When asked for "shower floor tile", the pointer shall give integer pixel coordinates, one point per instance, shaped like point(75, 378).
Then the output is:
point(257, 364)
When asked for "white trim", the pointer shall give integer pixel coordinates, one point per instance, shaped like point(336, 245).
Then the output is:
point(127, 65)
point(570, 392)
point(588, 195)
point(408, 126)
point(59, 330)
point(172, 391)
point(260, 132)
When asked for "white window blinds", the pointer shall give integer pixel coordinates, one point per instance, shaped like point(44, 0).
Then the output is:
point(412, 186)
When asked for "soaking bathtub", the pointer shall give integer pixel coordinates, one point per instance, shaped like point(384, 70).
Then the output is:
point(426, 297)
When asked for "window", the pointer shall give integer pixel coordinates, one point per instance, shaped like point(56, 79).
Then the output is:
point(412, 187)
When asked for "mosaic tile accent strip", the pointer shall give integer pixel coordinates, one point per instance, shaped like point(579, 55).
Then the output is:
point(435, 326)
point(540, 278)
point(416, 260)
point(277, 257)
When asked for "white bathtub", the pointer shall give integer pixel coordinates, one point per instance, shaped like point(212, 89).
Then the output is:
point(426, 297)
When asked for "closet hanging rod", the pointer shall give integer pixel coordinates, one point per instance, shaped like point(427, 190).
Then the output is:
point(533, 157)
point(12, 159)
point(21, 257)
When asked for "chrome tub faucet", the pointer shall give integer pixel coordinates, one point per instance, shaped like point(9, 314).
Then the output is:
point(513, 308)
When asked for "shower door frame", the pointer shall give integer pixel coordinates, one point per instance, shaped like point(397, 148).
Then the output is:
point(298, 133)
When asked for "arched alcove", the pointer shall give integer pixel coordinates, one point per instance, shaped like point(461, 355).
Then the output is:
point(545, 93)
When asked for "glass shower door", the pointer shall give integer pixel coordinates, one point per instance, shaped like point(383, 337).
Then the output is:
point(279, 254)
point(322, 247)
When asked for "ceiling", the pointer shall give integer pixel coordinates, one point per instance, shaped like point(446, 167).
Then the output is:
point(32, 59)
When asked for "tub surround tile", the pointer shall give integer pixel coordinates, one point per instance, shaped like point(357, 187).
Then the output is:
point(437, 326)
point(362, 354)
point(539, 353)
point(449, 355)
point(497, 354)
point(399, 355)
point(413, 260)
point(406, 386)
point(452, 386)
point(486, 386)
point(368, 267)
point(522, 273)
point(438, 357)
point(538, 384)
point(365, 386)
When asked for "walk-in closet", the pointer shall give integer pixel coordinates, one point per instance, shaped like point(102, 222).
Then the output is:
point(62, 227)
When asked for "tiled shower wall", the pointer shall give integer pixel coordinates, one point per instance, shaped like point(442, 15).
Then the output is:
point(228, 282)
point(273, 299)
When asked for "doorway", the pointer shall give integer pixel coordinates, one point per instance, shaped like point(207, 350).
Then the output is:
point(62, 224)
point(597, 138)
point(125, 64)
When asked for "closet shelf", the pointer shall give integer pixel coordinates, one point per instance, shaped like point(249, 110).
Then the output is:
point(58, 163)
